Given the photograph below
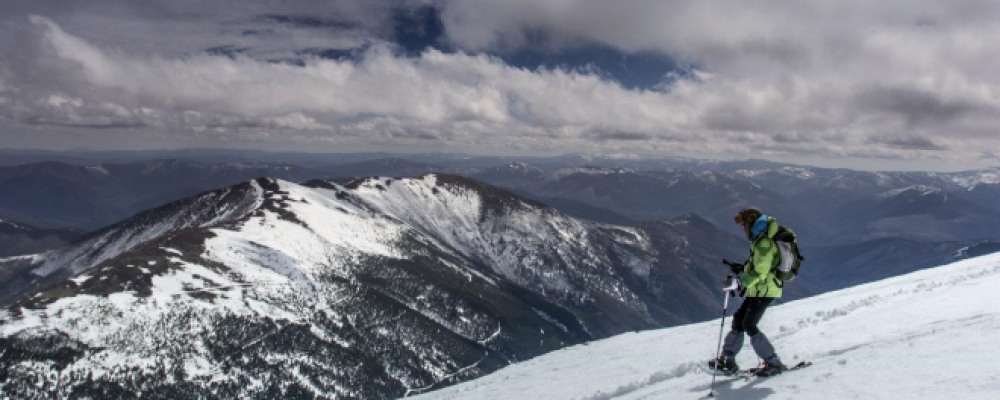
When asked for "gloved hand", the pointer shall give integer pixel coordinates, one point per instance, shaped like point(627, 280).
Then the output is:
point(735, 267)
point(730, 284)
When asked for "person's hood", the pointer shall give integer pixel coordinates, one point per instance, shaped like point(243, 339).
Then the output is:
point(764, 224)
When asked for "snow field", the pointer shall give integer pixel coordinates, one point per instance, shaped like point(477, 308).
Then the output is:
point(926, 335)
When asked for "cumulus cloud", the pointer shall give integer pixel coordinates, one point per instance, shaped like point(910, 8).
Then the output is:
point(436, 95)
point(838, 71)
point(889, 79)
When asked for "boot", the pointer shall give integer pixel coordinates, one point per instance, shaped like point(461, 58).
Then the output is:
point(771, 369)
point(724, 364)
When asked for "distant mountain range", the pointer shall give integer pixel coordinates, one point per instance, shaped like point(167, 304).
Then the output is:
point(654, 195)
point(53, 194)
point(919, 212)
point(826, 207)
point(838, 267)
point(19, 238)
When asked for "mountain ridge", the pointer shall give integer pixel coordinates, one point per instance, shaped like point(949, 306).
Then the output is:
point(420, 282)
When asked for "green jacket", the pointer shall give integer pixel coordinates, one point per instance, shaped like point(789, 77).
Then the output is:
point(759, 279)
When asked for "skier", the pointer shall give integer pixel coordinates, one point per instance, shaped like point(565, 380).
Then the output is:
point(761, 288)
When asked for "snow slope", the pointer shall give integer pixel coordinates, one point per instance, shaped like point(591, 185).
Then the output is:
point(926, 335)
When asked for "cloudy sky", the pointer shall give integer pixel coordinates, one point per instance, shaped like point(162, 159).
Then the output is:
point(886, 84)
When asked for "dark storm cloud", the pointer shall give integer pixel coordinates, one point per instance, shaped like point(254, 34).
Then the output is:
point(917, 106)
point(621, 136)
point(910, 143)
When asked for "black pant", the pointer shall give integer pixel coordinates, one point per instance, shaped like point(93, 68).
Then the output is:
point(750, 313)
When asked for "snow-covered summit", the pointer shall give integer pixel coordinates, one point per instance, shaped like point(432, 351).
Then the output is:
point(516, 166)
point(100, 169)
point(589, 170)
point(971, 179)
point(10, 225)
point(206, 209)
point(912, 191)
point(800, 173)
point(926, 335)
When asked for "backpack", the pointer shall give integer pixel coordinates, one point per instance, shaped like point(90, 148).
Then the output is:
point(789, 260)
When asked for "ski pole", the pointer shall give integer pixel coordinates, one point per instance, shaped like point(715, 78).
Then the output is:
point(729, 291)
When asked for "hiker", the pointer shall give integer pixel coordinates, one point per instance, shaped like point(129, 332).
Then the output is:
point(761, 287)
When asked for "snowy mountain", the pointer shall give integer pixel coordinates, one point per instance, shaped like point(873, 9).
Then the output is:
point(986, 194)
point(654, 195)
point(515, 175)
point(25, 274)
point(842, 266)
point(919, 212)
point(865, 181)
point(374, 288)
point(848, 233)
point(926, 335)
point(830, 189)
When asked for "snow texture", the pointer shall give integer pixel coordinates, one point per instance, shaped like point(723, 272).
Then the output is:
point(916, 191)
point(207, 209)
point(926, 335)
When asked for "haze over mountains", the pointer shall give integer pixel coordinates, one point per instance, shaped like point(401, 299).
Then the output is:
point(56, 194)
point(821, 202)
